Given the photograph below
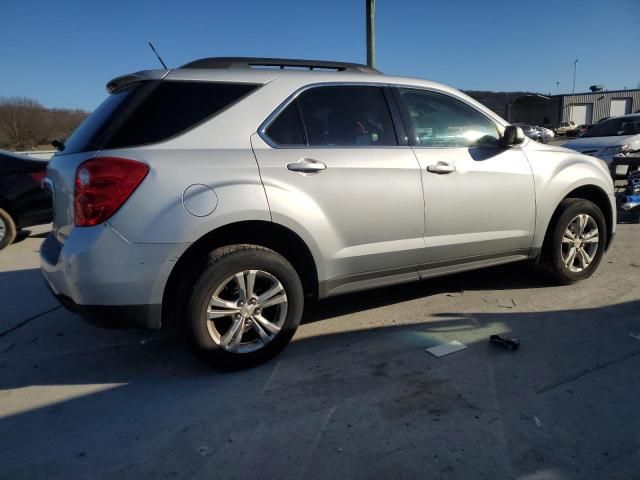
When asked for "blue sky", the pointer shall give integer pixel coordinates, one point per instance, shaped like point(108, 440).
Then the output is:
point(62, 53)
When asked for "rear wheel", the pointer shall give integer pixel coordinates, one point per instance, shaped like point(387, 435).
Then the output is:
point(7, 229)
point(245, 307)
point(576, 244)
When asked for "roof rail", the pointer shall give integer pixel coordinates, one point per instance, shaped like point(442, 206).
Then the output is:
point(282, 63)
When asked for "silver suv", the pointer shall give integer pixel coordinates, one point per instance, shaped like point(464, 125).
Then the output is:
point(221, 194)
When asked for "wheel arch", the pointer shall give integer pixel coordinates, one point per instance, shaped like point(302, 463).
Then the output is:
point(256, 232)
point(589, 192)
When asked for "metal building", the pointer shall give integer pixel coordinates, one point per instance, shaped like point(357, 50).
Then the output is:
point(580, 108)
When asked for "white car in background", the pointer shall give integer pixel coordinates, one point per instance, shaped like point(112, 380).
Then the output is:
point(610, 137)
point(565, 127)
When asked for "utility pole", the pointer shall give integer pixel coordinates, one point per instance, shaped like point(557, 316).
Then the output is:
point(371, 32)
point(557, 87)
point(575, 65)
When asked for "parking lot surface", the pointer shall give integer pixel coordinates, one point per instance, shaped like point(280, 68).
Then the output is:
point(354, 396)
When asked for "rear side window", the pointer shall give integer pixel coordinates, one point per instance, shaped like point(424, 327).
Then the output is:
point(286, 129)
point(336, 116)
point(347, 116)
point(152, 112)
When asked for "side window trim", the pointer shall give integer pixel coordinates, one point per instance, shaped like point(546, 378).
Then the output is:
point(407, 121)
point(262, 129)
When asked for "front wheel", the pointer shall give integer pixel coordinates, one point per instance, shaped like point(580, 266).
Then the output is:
point(245, 306)
point(577, 241)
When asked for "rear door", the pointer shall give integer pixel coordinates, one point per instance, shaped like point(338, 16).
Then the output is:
point(479, 197)
point(333, 168)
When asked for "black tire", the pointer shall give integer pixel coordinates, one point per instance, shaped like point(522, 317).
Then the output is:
point(225, 263)
point(568, 210)
point(8, 226)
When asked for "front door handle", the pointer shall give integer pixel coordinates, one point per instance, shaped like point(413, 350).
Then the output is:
point(441, 168)
point(306, 165)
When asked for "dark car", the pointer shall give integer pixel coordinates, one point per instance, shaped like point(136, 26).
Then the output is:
point(23, 202)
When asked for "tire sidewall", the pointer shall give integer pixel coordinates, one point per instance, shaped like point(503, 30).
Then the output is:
point(10, 229)
point(210, 280)
point(571, 210)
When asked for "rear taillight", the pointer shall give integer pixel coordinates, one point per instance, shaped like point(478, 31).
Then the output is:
point(38, 176)
point(102, 185)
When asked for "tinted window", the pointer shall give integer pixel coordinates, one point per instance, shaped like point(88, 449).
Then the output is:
point(615, 127)
point(436, 120)
point(87, 136)
point(286, 128)
point(347, 116)
point(174, 107)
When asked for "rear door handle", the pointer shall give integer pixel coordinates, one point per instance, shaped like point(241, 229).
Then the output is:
point(441, 168)
point(306, 165)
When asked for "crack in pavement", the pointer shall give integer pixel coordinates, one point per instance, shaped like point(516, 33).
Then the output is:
point(586, 372)
point(24, 322)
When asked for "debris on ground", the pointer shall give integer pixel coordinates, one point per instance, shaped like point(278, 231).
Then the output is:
point(446, 348)
point(508, 343)
point(203, 450)
point(635, 335)
point(537, 421)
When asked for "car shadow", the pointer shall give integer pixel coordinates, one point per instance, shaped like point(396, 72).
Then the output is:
point(521, 275)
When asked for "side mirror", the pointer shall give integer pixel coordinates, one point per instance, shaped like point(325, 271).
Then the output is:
point(512, 136)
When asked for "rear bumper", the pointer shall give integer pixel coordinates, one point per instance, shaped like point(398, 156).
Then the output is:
point(115, 316)
point(109, 281)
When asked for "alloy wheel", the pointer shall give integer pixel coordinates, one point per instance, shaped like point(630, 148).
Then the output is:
point(580, 243)
point(246, 311)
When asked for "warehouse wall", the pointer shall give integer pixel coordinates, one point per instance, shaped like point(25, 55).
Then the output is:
point(601, 102)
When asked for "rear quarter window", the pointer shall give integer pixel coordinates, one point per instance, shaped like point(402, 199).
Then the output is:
point(174, 107)
point(151, 111)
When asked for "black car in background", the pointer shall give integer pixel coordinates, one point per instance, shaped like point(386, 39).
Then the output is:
point(23, 202)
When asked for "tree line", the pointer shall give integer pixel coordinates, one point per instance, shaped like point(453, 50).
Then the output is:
point(25, 124)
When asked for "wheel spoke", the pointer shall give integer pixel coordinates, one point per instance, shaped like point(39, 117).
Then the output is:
point(595, 239)
point(223, 304)
point(585, 260)
point(213, 314)
point(242, 286)
point(232, 338)
point(570, 257)
point(281, 298)
point(582, 223)
point(251, 280)
point(272, 327)
point(269, 294)
point(568, 234)
point(258, 328)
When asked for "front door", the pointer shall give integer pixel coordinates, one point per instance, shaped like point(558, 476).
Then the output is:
point(479, 197)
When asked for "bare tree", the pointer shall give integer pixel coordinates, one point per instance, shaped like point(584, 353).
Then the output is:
point(26, 124)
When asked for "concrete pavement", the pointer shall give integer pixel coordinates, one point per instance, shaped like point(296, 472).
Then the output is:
point(354, 396)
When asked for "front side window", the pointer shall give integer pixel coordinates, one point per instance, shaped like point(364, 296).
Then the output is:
point(347, 116)
point(437, 120)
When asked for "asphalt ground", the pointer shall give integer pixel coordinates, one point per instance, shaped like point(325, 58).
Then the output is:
point(355, 395)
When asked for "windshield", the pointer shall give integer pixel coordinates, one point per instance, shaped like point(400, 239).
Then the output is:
point(615, 127)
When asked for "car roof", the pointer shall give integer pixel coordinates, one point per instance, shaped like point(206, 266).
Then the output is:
point(294, 78)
